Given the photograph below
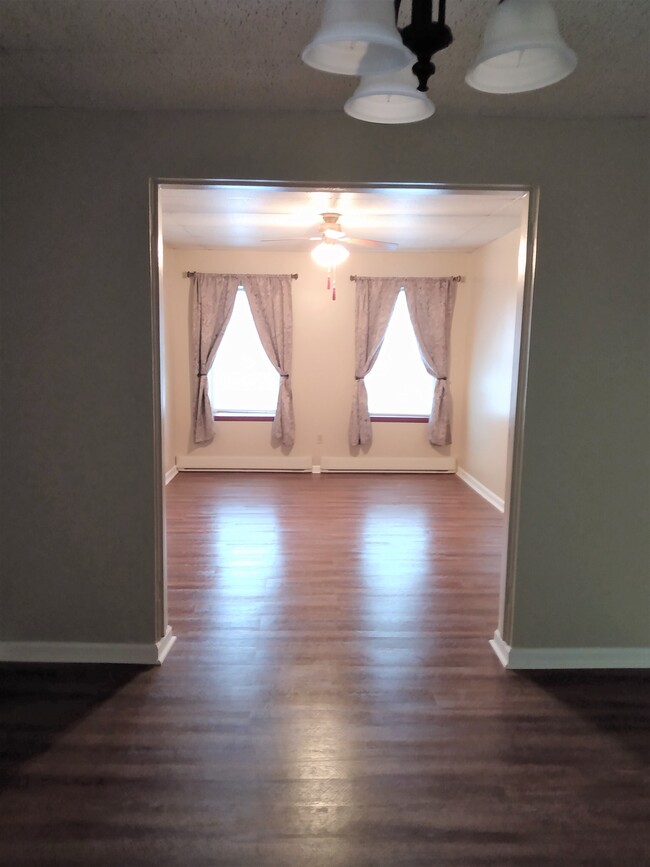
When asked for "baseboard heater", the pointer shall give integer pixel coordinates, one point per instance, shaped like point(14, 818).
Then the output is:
point(244, 463)
point(387, 465)
point(343, 464)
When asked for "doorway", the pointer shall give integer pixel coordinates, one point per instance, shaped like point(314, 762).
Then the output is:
point(223, 233)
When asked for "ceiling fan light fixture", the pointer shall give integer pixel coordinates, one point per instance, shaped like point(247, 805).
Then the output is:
point(329, 254)
point(357, 37)
point(522, 49)
point(390, 97)
point(333, 234)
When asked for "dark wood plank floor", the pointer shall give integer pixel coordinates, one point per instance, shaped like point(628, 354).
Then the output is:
point(331, 700)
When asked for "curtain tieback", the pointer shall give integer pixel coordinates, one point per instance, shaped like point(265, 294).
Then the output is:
point(284, 376)
point(358, 378)
point(201, 374)
point(441, 378)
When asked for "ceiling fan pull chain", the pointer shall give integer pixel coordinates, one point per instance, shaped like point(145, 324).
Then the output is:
point(331, 280)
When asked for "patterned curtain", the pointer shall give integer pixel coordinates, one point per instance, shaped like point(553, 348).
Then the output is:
point(269, 297)
point(376, 297)
point(213, 302)
point(431, 306)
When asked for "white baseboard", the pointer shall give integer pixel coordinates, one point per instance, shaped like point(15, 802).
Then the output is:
point(369, 464)
point(89, 652)
point(531, 658)
point(243, 463)
point(170, 474)
point(481, 489)
point(165, 645)
point(501, 649)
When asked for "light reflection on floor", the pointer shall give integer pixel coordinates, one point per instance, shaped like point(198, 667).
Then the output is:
point(248, 551)
point(250, 561)
point(395, 541)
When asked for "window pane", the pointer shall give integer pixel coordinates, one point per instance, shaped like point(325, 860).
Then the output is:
point(242, 380)
point(399, 384)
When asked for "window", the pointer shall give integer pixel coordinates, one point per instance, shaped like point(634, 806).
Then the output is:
point(242, 382)
point(398, 385)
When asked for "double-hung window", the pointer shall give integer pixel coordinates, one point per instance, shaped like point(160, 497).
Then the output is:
point(399, 387)
point(242, 382)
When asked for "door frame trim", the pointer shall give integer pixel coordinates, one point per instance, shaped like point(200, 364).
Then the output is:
point(516, 436)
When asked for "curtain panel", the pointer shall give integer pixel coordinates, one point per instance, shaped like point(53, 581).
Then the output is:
point(375, 300)
point(213, 299)
point(431, 306)
point(269, 297)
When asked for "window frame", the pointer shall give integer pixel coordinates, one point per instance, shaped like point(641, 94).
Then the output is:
point(409, 419)
point(242, 417)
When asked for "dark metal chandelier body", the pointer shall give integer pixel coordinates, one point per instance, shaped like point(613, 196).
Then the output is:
point(424, 37)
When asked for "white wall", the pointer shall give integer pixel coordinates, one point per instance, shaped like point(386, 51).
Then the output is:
point(323, 356)
point(491, 322)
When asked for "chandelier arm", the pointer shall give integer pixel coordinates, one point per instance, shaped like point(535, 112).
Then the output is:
point(421, 13)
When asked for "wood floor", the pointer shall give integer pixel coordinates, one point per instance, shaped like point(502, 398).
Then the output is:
point(331, 701)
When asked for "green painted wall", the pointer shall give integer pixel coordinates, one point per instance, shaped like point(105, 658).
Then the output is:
point(78, 468)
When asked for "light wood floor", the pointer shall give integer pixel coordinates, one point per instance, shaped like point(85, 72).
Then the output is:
point(331, 701)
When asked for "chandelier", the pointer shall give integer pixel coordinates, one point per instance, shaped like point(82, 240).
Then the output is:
point(522, 50)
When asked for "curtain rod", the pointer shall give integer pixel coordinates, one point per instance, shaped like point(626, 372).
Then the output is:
point(457, 279)
point(192, 273)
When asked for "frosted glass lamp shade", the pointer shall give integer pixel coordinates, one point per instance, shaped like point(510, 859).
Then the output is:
point(357, 37)
point(391, 97)
point(522, 49)
point(329, 254)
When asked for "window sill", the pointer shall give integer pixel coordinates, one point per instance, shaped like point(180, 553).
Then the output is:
point(410, 419)
point(243, 417)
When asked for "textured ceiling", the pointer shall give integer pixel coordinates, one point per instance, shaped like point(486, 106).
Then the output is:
point(227, 55)
point(276, 218)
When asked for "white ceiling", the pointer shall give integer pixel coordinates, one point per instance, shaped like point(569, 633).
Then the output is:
point(245, 55)
point(269, 218)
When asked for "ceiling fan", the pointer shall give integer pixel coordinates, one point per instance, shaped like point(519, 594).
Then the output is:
point(331, 233)
point(332, 249)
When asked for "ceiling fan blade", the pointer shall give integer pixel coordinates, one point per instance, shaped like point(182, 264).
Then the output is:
point(284, 240)
point(366, 242)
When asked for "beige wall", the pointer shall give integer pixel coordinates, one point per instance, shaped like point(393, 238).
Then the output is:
point(323, 354)
point(491, 320)
point(168, 327)
point(79, 465)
